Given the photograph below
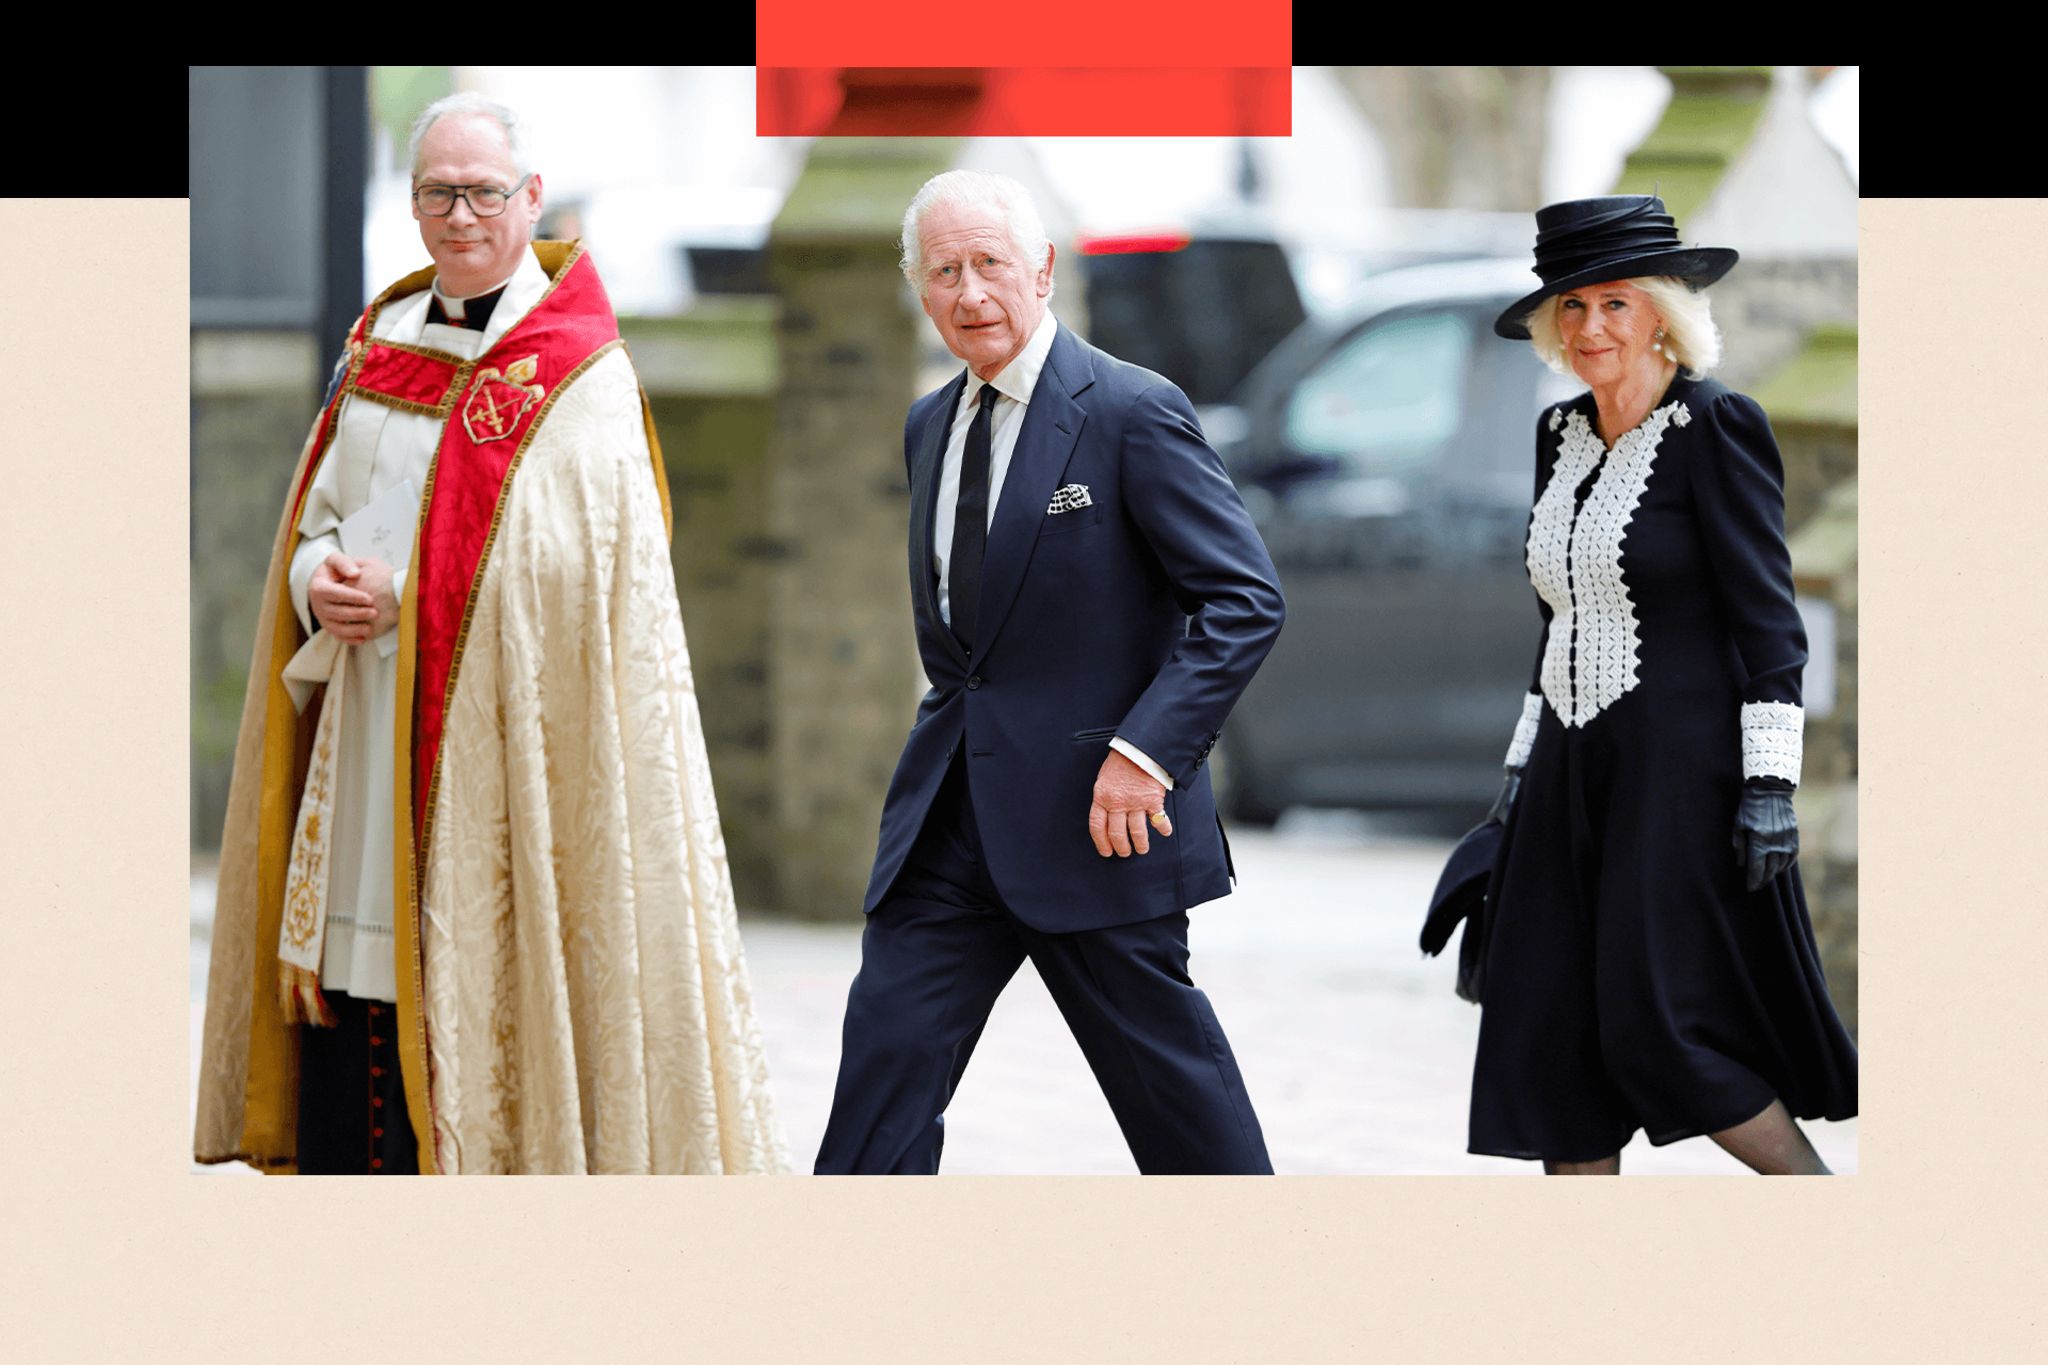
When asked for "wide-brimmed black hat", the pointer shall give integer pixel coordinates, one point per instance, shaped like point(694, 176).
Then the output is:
point(1613, 237)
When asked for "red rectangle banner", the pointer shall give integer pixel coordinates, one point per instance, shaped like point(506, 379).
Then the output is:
point(1047, 33)
point(1207, 101)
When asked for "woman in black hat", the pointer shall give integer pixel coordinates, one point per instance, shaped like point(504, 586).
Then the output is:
point(1647, 957)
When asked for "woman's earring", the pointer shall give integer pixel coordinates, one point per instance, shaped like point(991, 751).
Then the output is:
point(1657, 343)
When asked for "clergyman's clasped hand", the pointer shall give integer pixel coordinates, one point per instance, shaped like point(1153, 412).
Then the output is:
point(1127, 799)
point(353, 598)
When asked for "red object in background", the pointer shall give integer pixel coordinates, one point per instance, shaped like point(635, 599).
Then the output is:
point(1132, 243)
point(1051, 34)
point(1207, 101)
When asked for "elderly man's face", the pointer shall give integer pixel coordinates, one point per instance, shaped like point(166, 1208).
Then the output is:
point(473, 254)
point(979, 290)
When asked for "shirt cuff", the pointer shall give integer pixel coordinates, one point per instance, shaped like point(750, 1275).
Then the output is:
point(1525, 732)
point(1773, 733)
point(1137, 756)
point(387, 643)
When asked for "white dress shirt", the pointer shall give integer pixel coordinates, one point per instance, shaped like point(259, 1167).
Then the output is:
point(1014, 385)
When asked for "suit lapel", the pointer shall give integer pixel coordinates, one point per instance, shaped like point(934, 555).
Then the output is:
point(924, 501)
point(1052, 424)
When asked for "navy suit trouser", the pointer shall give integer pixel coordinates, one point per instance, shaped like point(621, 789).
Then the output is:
point(936, 953)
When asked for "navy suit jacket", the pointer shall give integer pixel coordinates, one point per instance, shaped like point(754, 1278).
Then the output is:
point(1143, 615)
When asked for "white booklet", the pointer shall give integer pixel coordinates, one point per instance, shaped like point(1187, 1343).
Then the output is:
point(383, 530)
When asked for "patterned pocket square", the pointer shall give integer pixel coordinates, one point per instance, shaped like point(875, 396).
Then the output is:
point(1068, 498)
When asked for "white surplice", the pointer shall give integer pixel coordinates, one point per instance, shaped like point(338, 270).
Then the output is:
point(376, 448)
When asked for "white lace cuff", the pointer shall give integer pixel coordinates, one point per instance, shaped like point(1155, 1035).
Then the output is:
point(1525, 732)
point(1772, 734)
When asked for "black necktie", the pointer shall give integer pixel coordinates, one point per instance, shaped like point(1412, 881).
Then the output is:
point(970, 524)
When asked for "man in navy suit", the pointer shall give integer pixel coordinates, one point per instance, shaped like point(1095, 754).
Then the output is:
point(1090, 600)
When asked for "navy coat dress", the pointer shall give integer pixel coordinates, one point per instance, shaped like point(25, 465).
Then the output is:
point(1631, 982)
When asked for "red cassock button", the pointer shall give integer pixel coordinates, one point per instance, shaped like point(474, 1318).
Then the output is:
point(376, 1132)
point(376, 1163)
point(376, 1071)
point(376, 1102)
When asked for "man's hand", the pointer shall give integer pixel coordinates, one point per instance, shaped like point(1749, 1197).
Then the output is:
point(352, 598)
point(1126, 798)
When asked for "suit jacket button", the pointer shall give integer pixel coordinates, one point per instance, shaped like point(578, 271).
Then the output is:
point(974, 682)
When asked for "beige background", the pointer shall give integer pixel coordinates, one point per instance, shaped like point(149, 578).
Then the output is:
point(1933, 1252)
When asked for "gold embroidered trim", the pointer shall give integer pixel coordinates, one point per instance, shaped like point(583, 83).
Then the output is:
point(407, 957)
point(447, 357)
point(514, 377)
point(359, 346)
point(477, 578)
point(415, 1063)
point(457, 381)
point(668, 520)
point(302, 895)
point(441, 409)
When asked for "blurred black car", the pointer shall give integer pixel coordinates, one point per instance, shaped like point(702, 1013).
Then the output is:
point(1388, 459)
point(1201, 305)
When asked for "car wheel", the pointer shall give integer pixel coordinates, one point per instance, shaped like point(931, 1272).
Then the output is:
point(1239, 794)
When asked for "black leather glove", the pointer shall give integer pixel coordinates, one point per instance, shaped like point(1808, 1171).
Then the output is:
point(1510, 784)
point(1766, 833)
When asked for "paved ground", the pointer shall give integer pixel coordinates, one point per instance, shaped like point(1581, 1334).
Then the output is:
point(1356, 1052)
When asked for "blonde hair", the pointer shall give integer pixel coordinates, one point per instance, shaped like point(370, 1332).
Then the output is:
point(1690, 336)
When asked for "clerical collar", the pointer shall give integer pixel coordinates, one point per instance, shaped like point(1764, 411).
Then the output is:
point(473, 313)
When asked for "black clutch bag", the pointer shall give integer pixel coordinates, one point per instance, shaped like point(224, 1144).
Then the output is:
point(1461, 895)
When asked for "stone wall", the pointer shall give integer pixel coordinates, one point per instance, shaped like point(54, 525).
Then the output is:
point(1768, 309)
point(1812, 406)
point(843, 678)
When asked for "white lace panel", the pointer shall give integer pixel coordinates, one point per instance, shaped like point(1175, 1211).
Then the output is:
point(1575, 563)
point(1550, 529)
point(1525, 732)
point(1772, 737)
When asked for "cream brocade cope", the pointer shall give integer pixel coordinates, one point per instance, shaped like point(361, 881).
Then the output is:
point(587, 999)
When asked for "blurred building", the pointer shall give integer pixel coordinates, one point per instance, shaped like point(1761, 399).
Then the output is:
point(277, 177)
point(1743, 161)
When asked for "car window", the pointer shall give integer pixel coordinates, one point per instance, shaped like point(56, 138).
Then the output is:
point(1202, 315)
point(1387, 399)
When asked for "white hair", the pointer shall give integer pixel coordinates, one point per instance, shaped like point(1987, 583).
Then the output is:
point(469, 102)
point(1007, 199)
point(1690, 336)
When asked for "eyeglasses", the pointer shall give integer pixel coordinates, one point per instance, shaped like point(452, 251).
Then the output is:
point(485, 201)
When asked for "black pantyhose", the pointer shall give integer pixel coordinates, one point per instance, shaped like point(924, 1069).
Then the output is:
point(1769, 1144)
point(1606, 1165)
